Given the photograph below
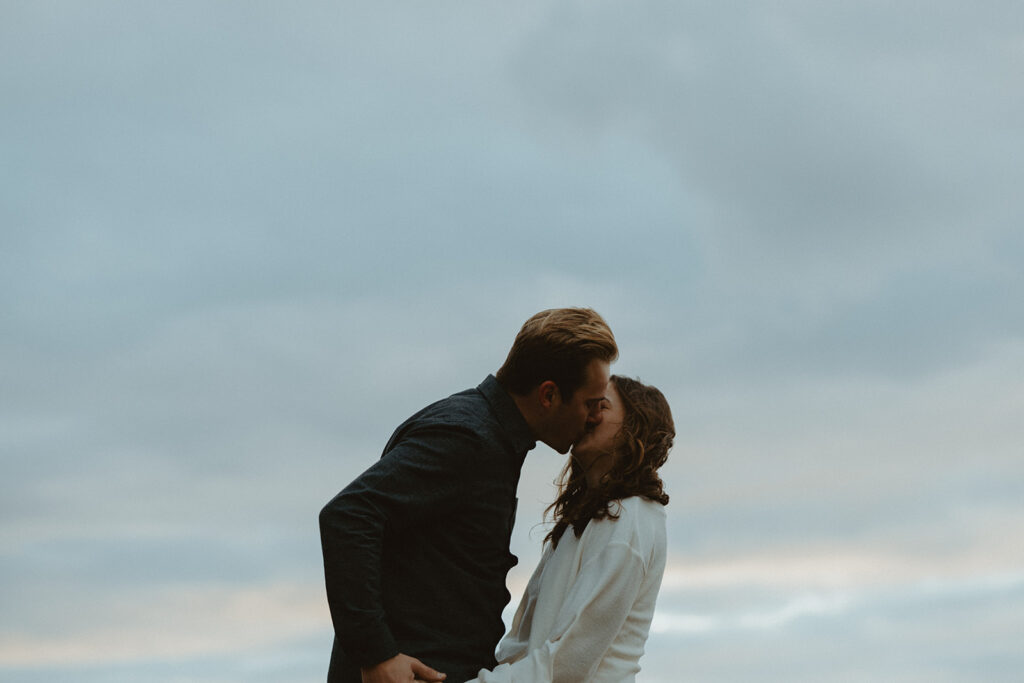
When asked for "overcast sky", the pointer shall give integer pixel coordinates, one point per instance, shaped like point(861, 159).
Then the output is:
point(240, 242)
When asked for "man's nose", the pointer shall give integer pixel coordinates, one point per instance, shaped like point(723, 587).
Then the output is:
point(594, 418)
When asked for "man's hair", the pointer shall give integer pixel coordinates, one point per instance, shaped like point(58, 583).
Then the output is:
point(557, 344)
point(642, 445)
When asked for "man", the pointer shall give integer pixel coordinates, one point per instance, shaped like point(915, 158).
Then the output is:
point(416, 549)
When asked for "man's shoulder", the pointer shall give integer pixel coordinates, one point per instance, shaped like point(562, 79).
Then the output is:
point(467, 409)
point(463, 418)
point(481, 419)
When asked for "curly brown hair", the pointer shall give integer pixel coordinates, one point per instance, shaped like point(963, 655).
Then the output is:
point(642, 445)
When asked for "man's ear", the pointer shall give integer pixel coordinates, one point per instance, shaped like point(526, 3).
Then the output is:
point(547, 392)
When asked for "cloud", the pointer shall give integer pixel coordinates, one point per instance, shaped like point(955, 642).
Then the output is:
point(841, 204)
point(242, 244)
point(782, 115)
point(173, 622)
point(798, 632)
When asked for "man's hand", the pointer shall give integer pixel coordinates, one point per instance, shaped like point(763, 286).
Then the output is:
point(401, 669)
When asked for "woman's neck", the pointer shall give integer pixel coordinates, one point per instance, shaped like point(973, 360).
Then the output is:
point(601, 466)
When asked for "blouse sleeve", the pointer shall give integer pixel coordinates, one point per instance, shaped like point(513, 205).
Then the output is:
point(594, 612)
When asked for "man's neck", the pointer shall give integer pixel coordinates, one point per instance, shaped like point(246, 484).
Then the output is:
point(528, 409)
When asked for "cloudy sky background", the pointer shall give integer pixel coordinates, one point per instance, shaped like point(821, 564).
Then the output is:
point(240, 242)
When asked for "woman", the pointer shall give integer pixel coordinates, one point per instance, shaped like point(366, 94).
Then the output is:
point(587, 609)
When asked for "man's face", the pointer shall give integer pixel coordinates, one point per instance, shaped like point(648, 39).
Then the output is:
point(571, 419)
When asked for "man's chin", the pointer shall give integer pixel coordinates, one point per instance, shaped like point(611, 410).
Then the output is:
point(571, 445)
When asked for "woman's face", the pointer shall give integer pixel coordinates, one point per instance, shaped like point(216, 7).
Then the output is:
point(600, 440)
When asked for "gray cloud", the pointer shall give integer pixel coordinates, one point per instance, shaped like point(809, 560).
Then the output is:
point(240, 244)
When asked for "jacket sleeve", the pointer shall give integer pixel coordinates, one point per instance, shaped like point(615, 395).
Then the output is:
point(417, 480)
point(594, 612)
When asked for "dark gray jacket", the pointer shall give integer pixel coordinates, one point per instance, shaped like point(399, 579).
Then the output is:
point(416, 549)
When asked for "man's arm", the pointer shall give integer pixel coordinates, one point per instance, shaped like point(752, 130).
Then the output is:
point(418, 480)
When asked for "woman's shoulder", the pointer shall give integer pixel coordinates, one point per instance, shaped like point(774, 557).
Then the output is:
point(637, 507)
point(639, 525)
point(632, 518)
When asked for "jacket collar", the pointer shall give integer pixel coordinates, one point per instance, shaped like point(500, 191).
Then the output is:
point(509, 417)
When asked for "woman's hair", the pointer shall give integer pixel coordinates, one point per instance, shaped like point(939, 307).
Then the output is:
point(642, 446)
point(557, 344)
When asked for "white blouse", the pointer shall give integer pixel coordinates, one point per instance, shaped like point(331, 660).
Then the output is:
point(587, 609)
